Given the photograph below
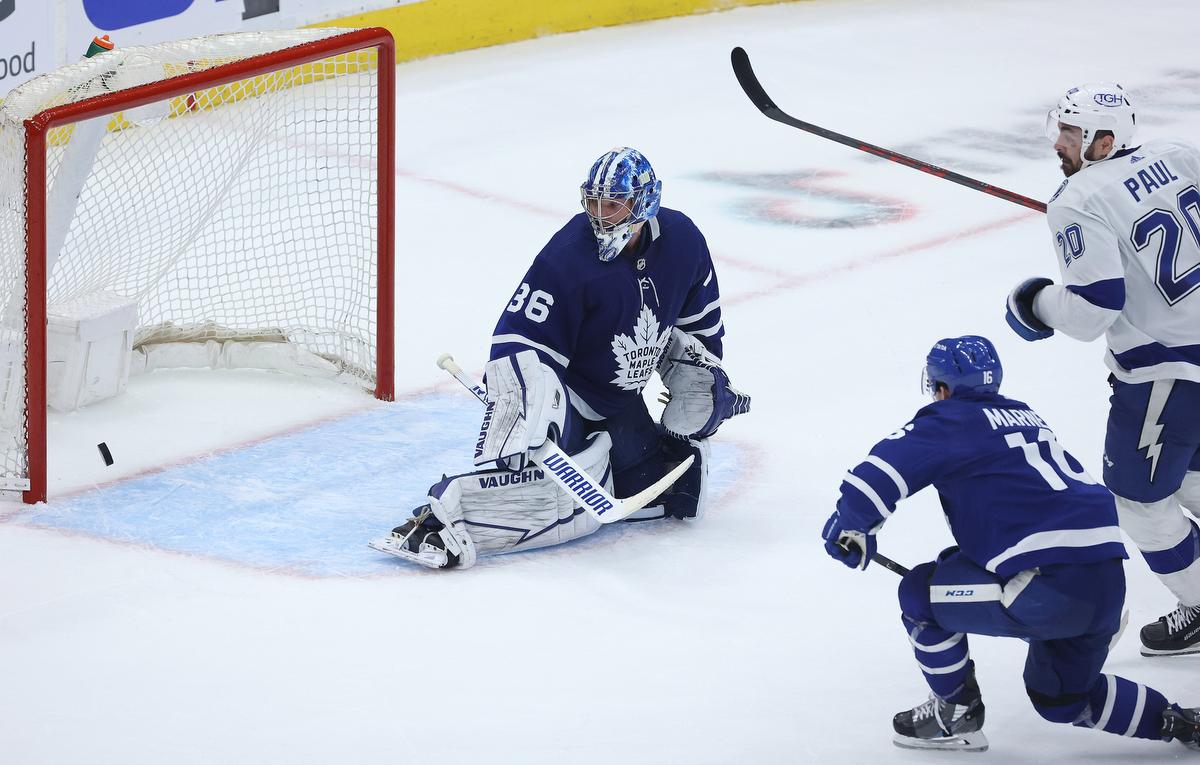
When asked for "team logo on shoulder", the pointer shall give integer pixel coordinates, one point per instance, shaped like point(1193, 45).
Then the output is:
point(1061, 189)
point(637, 355)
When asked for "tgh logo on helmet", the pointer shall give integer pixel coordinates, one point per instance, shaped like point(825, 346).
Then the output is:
point(6, 8)
point(1107, 99)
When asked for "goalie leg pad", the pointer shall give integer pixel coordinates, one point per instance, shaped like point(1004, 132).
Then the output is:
point(526, 405)
point(503, 511)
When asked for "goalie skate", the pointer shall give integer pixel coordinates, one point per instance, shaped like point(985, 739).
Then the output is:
point(415, 541)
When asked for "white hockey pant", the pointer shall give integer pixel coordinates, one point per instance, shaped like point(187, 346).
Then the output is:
point(505, 511)
point(1164, 525)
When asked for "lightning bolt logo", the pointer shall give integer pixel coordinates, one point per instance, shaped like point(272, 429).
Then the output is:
point(1151, 427)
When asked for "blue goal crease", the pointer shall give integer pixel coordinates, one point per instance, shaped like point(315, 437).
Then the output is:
point(303, 503)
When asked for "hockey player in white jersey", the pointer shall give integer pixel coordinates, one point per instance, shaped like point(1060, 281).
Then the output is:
point(1126, 229)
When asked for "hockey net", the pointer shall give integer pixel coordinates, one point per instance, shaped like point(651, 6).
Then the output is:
point(236, 188)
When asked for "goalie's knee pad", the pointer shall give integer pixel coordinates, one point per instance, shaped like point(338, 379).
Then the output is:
point(502, 511)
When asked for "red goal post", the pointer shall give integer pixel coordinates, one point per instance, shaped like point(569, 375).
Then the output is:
point(232, 198)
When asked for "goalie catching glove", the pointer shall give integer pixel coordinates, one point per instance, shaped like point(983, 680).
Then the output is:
point(526, 405)
point(700, 396)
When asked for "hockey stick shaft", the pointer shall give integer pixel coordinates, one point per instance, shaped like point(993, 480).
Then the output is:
point(589, 493)
point(848, 543)
point(889, 564)
point(447, 362)
point(758, 96)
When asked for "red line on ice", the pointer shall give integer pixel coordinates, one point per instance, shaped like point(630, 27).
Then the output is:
point(790, 282)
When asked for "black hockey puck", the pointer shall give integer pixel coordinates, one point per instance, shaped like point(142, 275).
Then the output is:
point(105, 453)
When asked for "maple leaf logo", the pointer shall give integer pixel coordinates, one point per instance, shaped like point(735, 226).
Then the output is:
point(638, 355)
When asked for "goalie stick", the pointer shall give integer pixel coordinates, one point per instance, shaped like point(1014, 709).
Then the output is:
point(758, 96)
point(587, 491)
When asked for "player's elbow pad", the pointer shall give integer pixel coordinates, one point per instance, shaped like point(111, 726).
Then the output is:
point(1081, 312)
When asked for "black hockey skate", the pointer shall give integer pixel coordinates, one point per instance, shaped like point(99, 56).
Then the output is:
point(941, 724)
point(419, 540)
point(1175, 634)
point(1182, 725)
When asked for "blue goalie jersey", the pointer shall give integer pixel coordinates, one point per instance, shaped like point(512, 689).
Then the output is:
point(603, 326)
point(1014, 498)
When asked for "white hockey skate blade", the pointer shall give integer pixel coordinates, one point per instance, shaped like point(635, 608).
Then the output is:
point(1195, 649)
point(963, 742)
point(429, 556)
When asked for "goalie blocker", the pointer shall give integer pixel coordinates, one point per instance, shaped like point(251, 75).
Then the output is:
point(490, 512)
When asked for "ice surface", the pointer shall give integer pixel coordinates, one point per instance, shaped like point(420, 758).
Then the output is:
point(731, 640)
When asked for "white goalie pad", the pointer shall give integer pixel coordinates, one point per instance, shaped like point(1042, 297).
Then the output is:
point(505, 511)
point(701, 397)
point(526, 400)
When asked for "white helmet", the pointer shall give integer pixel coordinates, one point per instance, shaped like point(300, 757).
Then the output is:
point(1094, 107)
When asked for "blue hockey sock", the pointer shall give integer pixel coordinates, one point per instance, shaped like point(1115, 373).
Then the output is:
point(943, 656)
point(1121, 706)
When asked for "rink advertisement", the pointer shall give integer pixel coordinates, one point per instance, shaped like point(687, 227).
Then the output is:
point(162, 20)
point(39, 35)
point(431, 27)
point(26, 41)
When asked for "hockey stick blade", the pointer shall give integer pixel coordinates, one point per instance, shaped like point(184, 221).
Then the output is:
point(758, 96)
point(588, 493)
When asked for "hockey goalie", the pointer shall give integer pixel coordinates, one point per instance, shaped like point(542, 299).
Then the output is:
point(625, 289)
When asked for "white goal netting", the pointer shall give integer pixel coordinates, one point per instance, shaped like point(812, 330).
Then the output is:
point(237, 211)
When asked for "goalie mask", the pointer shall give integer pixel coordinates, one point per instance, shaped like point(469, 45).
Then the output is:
point(1092, 108)
point(620, 194)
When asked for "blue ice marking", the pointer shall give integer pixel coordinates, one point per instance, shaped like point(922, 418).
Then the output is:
point(304, 503)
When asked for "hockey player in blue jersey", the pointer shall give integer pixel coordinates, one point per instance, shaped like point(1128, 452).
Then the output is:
point(1126, 226)
point(1039, 556)
point(624, 289)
